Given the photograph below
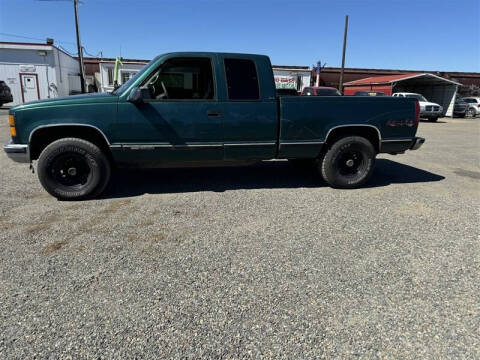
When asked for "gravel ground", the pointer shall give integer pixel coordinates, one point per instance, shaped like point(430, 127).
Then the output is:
point(260, 261)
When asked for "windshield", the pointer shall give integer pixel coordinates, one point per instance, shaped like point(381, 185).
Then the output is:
point(126, 85)
point(416, 96)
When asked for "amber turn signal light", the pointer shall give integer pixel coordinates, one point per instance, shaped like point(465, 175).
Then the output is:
point(11, 120)
point(13, 132)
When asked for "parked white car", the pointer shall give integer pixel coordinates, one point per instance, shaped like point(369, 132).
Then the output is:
point(473, 105)
point(428, 109)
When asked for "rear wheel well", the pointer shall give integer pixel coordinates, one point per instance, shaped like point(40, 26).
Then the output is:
point(368, 132)
point(42, 137)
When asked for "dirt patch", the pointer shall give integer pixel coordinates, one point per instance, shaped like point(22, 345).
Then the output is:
point(157, 237)
point(75, 206)
point(104, 214)
point(414, 209)
point(468, 173)
point(115, 206)
point(39, 195)
point(50, 249)
point(152, 238)
point(132, 238)
point(41, 226)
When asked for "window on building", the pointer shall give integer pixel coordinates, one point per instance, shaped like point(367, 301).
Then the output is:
point(110, 75)
point(126, 75)
point(183, 79)
point(242, 80)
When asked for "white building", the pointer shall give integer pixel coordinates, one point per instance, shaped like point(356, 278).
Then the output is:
point(126, 71)
point(291, 77)
point(35, 71)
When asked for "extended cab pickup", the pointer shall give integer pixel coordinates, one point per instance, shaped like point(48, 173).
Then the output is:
point(197, 109)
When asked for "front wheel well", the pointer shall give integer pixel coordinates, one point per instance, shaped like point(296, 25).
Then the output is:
point(42, 137)
point(369, 132)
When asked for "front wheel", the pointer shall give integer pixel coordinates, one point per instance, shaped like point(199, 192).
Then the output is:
point(348, 163)
point(471, 112)
point(73, 169)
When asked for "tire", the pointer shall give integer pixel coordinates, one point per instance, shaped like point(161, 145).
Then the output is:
point(433, 119)
point(471, 112)
point(73, 169)
point(335, 165)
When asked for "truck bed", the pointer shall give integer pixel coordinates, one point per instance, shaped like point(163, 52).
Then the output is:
point(305, 121)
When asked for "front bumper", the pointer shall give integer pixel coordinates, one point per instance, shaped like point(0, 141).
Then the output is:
point(417, 142)
point(431, 114)
point(17, 152)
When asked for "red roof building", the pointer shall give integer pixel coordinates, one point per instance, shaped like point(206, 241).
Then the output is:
point(435, 88)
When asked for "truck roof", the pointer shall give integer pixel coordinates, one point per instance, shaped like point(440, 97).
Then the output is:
point(203, 53)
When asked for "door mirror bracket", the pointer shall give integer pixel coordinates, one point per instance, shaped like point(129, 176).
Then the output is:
point(138, 95)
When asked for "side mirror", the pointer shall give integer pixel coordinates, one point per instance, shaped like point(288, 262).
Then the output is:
point(137, 95)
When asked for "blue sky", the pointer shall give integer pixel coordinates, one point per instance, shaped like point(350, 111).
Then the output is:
point(408, 34)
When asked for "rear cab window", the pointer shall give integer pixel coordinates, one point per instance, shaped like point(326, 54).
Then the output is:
point(242, 79)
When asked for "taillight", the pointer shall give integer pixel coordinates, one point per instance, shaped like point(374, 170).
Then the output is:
point(417, 113)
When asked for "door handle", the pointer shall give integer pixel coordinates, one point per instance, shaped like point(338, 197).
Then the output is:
point(213, 114)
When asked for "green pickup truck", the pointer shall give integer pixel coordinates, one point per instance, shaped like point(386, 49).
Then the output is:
point(205, 109)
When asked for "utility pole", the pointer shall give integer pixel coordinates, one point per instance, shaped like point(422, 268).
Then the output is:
point(79, 47)
point(319, 68)
point(340, 85)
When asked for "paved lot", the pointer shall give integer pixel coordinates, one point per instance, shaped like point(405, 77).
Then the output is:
point(255, 261)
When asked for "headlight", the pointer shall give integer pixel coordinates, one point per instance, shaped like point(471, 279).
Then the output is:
point(422, 107)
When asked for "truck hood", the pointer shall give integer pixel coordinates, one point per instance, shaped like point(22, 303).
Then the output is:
point(425, 103)
point(67, 100)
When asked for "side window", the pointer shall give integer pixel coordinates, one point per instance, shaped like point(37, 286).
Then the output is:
point(182, 79)
point(242, 80)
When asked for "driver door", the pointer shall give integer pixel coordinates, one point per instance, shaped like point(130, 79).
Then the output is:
point(181, 121)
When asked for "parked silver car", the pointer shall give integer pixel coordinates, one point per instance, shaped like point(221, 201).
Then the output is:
point(473, 105)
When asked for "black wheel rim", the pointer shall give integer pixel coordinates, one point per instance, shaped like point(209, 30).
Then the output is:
point(70, 170)
point(350, 163)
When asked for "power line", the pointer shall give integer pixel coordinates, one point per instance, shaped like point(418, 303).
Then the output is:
point(35, 38)
point(69, 52)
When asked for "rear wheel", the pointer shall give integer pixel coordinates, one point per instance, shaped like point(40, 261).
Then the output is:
point(73, 169)
point(348, 163)
point(433, 119)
